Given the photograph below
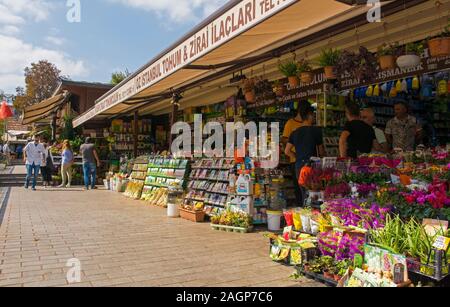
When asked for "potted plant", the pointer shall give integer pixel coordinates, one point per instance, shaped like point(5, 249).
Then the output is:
point(328, 59)
point(361, 65)
point(411, 58)
point(249, 90)
point(193, 213)
point(440, 45)
point(278, 88)
point(305, 71)
point(387, 55)
point(290, 71)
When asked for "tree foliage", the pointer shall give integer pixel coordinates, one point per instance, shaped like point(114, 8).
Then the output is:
point(41, 80)
point(119, 76)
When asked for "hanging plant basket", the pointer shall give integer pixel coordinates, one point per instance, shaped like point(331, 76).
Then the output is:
point(306, 77)
point(439, 46)
point(279, 91)
point(293, 81)
point(250, 96)
point(408, 61)
point(387, 62)
point(330, 72)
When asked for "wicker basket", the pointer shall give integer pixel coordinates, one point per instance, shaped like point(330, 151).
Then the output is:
point(193, 216)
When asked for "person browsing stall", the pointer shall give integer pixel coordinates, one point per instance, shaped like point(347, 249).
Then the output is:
point(292, 125)
point(357, 137)
point(403, 131)
point(305, 142)
point(90, 163)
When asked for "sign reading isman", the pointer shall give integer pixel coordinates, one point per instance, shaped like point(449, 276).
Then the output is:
point(238, 19)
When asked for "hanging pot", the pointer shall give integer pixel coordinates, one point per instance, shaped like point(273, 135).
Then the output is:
point(250, 96)
point(439, 47)
point(408, 61)
point(387, 62)
point(306, 77)
point(279, 91)
point(293, 81)
point(330, 72)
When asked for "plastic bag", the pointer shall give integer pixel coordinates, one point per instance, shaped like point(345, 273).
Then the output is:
point(297, 221)
point(288, 216)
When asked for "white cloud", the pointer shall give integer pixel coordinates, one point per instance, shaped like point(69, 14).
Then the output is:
point(16, 11)
point(177, 10)
point(16, 54)
point(9, 30)
point(57, 41)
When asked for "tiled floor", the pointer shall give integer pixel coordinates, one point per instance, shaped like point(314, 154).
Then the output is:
point(121, 242)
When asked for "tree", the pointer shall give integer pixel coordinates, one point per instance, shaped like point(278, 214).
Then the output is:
point(41, 80)
point(119, 76)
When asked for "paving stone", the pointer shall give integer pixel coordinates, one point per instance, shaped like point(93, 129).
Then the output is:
point(121, 242)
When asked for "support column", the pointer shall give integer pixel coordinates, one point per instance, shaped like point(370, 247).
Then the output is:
point(135, 132)
point(173, 117)
point(53, 127)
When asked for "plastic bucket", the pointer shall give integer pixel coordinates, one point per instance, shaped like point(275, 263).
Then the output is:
point(173, 210)
point(274, 220)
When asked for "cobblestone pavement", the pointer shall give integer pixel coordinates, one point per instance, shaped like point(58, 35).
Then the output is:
point(122, 242)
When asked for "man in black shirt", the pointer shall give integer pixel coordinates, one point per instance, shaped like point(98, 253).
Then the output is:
point(357, 137)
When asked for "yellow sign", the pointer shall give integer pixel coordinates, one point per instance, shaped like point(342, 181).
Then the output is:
point(441, 243)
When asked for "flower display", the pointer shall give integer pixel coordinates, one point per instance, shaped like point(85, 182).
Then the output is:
point(337, 191)
point(340, 246)
point(351, 213)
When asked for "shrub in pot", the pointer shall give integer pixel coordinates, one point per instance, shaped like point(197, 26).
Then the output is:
point(387, 55)
point(328, 59)
point(411, 57)
point(305, 71)
point(361, 65)
point(440, 46)
point(290, 71)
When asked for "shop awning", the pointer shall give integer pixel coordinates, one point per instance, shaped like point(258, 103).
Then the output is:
point(44, 109)
point(239, 31)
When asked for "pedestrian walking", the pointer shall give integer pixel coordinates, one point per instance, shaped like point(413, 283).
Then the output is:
point(47, 166)
point(7, 153)
point(90, 164)
point(33, 157)
point(66, 165)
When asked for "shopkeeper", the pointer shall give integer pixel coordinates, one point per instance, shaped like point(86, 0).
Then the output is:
point(305, 142)
point(368, 116)
point(292, 125)
point(403, 131)
point(357, 137)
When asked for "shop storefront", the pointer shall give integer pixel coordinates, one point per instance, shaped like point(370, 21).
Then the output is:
point(344, 230)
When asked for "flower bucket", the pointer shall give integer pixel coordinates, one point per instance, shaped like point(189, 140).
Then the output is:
point(250, 96)
point(306, 77)
point(330, 72)
point(408, 61)
point(386, 62)
point(439, 47)
point(274, 220)
point(293, 81)
point(193, 216)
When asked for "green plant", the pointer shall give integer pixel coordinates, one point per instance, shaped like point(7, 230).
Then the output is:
point(415, 48)
point(289, 69)
point(304, 66)
point(329, 57)
point(388, 49)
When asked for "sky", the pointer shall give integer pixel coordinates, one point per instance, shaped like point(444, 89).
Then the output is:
point(111, 35)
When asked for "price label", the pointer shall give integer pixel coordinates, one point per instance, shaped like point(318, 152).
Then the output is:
point(441, 243)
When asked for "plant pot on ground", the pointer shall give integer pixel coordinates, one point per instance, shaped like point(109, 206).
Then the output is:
point(328, 59)
point(411, 56)
point(290, 71)
point(387, 55)
point(305, 71)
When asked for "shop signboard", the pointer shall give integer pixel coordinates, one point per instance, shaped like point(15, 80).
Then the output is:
point(240, 18)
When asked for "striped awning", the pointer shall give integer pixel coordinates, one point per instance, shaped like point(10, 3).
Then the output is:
point(44, 109)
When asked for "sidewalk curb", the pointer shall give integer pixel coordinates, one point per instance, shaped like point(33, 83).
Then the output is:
point(4, 199)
